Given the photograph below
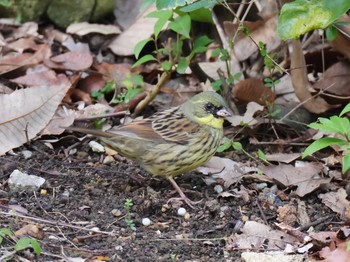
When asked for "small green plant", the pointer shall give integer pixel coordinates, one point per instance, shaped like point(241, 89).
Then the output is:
point(128, 219)
point(19, 244)
point(337, 125)
point(172, 256)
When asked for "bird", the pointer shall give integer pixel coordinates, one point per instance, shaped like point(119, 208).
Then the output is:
point(171, 142)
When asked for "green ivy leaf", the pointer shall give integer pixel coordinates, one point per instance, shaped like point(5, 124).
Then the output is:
point(169, 4)
point(345, 110)
point(23, 243)
point(322, 143)
point(181, 25)
point(223, 147)
point(139, 46)
point(216, 85)
point(131, 94)
point(182, 65)
point(346, 162)
point(163, 17)
point(200, 44)
point(301, 16)
point(331, 33)
point(143, 60)
point(237, 146)
point(166, 65)
point(208, 4)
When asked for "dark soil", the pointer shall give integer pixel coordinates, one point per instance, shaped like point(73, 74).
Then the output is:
point(82, 194)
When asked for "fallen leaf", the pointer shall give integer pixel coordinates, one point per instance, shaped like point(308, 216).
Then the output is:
point(85, 28)
point(337, 201)
point(25, 112)
point(76, 61)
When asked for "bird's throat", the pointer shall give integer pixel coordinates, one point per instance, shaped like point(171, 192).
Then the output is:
point(211, 121)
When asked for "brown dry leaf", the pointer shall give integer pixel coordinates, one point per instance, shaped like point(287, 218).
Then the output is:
point(253, 90)
point(288, 214)
point(263, 31)
point(63, 117)
point(301, 84)
point(226, 169)
point(23, 44)
point(342, 43)
point(306, 178)
point(85, 28)
point(257, 236)
point(336, 254)
point(282, 157)
point(76, 61)
point(26, 112)
point(336, 80)
point(142, 29)
point(38, 78)
point(337, 201)
point(323, 237)
point(30, 230)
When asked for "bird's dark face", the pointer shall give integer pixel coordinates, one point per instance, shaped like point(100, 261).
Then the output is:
point(216, 111)
point(207, 108)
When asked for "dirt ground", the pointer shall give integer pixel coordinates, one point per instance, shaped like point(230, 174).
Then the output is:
point(83, 194)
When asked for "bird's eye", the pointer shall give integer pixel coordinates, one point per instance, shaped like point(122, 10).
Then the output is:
point(209, 107)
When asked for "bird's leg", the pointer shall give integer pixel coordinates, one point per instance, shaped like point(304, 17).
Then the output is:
point(183, 197)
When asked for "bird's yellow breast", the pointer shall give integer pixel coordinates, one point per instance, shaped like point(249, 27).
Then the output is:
point(212, 121)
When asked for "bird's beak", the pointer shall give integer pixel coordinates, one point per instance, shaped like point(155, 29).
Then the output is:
point(224, 112)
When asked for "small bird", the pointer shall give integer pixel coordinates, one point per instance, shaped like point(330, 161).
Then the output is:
point(173, 141)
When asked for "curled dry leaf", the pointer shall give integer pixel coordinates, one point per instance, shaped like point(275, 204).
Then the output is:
point(26, 112)
point(248, 116)
point(301, 84)
point(305, 177)
point(85, 28)
point(337, 201)
point(253, 90)
point(336, 79)
point(141, 29)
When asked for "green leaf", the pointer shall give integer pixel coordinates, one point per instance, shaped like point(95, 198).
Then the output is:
point(208, 4)
point(202, 15)
point(182, 65)
point(345, 110)
point(131, 94)
point(346, 162)
point(169, 4)
point(262, 156)
point(301, 16)
point(181, 25)
point(143, 60)
point(331, 33)
point(224, 146)
point(163, 17)
point(139, 46)
point(237, 146)
point(216, 85)
point(6, 232)
point(340, 125)
point(200, 44)
point(166, 65)
point(216, 52)
point(23, 243)
point(322, 143)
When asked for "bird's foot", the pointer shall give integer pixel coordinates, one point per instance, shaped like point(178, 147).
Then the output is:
point(182, 197)
point(188, 201)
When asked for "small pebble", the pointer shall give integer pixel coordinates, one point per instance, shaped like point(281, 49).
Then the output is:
point(108, 160)
point(146, 221)
point(96, 147)
point(181, 211)
point(187, 216)
point(218, 189)
point(27, 154)
point(43, 192)
point(116, 212)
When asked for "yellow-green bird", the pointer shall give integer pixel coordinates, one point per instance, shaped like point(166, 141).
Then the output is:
point(174, 141)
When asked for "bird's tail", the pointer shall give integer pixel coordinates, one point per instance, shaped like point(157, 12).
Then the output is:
point(98, 133)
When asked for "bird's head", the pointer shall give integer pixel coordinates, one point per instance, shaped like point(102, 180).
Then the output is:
point(207, 108)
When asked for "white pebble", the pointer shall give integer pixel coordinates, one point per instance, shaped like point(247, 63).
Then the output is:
point(146, 221)
point(96, 147)
point(181, 211)
point(218, 189)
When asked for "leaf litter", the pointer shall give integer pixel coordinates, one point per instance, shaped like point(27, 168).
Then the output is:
point(306, 198)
